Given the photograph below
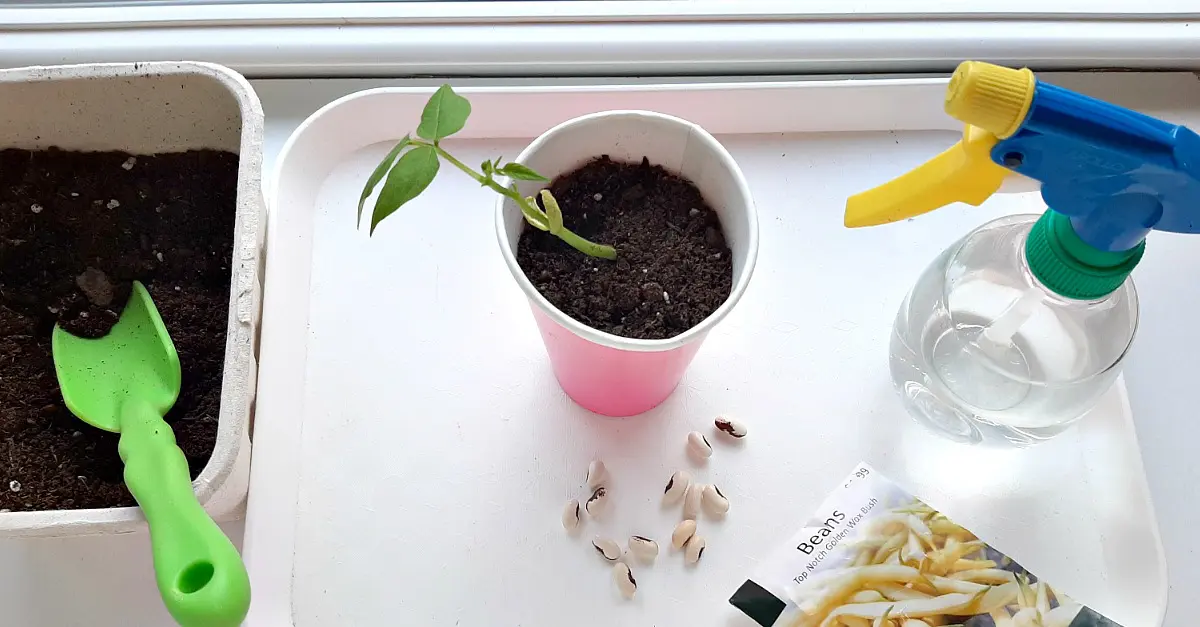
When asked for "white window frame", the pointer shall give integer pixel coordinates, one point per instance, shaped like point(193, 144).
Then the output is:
point(613, 37)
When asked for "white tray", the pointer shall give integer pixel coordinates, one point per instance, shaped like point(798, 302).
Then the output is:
point(413, 452)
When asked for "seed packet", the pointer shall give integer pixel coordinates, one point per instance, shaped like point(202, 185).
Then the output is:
point(876, 556)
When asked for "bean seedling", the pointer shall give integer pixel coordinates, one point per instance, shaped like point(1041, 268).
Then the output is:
point(413, 163)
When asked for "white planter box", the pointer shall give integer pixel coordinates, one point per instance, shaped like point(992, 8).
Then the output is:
point(146, 108)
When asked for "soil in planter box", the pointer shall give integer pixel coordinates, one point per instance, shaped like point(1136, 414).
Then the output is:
point(673, 266)
point(75, 230)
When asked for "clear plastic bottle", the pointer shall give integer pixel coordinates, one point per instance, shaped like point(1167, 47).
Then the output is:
point(984, 353)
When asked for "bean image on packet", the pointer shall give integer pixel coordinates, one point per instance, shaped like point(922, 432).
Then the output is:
point(876, 556)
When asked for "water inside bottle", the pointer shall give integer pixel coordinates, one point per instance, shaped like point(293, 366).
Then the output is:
point(974, 387)
point(983, 353)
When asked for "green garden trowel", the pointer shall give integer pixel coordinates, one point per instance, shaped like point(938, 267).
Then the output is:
point(125, 382)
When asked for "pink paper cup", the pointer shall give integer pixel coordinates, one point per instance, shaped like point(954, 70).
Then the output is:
point(602, 372)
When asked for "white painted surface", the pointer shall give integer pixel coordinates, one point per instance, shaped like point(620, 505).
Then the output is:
point(598, 38)
point(107, 582)
point(409, 430)
point(241, 12)
point(86, 581)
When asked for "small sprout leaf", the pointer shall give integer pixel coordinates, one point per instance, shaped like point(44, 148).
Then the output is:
point(414, 172)
point(533, 215)
point(445, 114)
point(377, 175)
point(520, 173)
point(554, 217)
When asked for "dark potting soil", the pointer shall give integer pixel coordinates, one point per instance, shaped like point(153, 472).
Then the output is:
point(75, 230)
point(673, 267)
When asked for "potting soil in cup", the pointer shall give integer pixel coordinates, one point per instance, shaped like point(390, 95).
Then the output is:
point(673, 267)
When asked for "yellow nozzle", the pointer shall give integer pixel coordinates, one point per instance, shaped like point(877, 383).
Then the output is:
point(963, 173)
point(991, 97)
point(993, 101)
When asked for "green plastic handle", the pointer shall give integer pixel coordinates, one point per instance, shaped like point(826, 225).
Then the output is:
point(200, 574)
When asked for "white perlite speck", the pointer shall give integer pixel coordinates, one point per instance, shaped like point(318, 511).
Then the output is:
point(158, 256)
point(129, 163)
point(14, 486)
point(113, 204)
point(36, 208)
point(598, 197)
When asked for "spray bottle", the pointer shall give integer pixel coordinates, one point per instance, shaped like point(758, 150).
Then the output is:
point(1018, 329)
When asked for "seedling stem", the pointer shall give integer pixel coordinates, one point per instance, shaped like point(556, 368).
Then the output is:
point(413, 163)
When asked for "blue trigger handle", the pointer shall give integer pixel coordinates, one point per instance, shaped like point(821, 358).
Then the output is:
point(1116, 173)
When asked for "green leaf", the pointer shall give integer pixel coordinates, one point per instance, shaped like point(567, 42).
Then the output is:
point(520, 172)
point(377, 175)
point(445, 114)
point(554, 219)
point(413, 173)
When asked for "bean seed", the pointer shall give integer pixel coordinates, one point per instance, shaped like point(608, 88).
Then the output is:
point(643, 548)
point(677, 486)
point(597, 475)
point(623, 577)
point(714, 501)
point(597, 502)
point(570, 515)
point(607, 549)
point(683, 532)
point(691, 501)
point(730, 427)
point(698, 445)
point(694, 549)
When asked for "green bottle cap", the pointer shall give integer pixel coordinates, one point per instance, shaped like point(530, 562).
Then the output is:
point(1072, 268)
